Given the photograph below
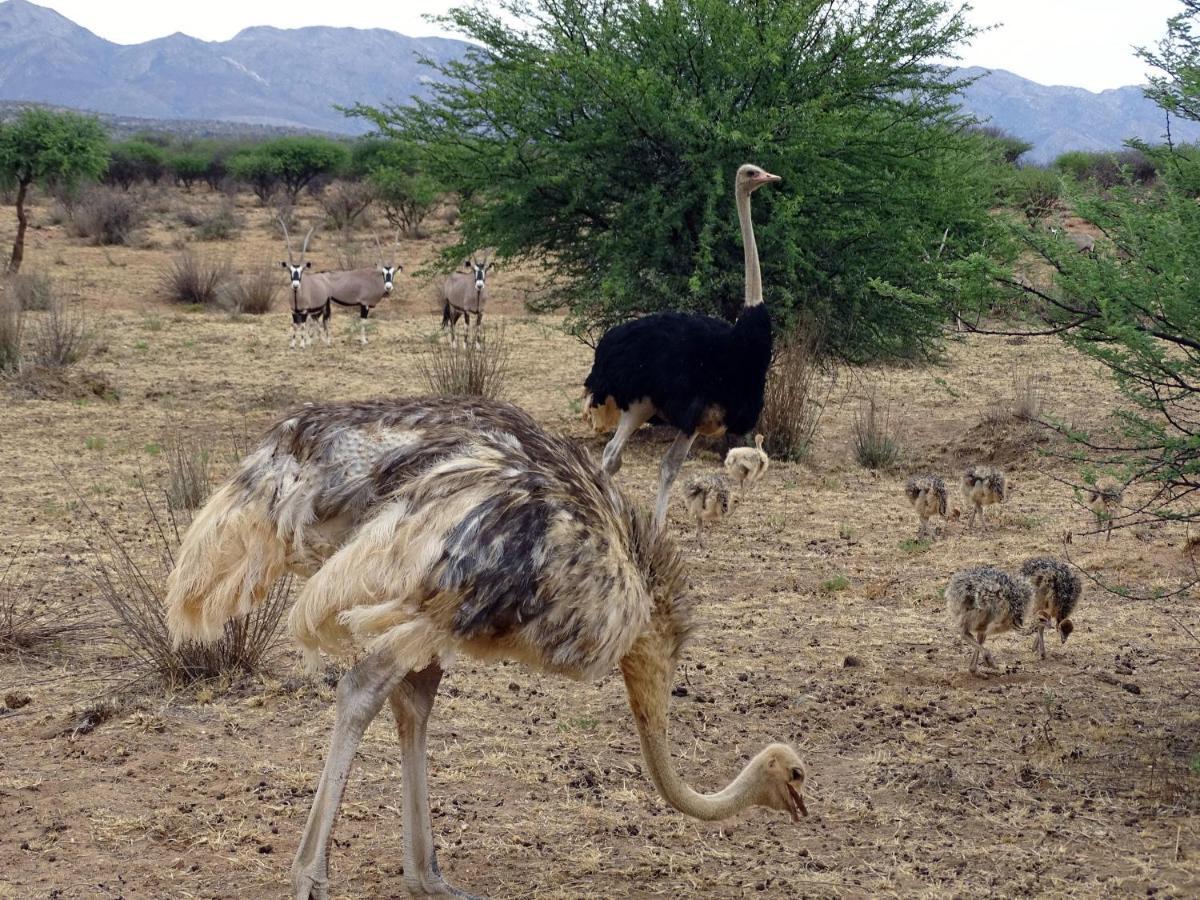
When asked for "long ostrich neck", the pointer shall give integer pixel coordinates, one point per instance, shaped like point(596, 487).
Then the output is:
point(753, 275)
point(648, 682)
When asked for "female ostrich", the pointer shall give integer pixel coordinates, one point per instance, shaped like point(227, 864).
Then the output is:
point(444, 526)
point(699, 374)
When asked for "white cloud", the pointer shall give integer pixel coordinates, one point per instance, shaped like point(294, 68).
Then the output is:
point(1087, 43)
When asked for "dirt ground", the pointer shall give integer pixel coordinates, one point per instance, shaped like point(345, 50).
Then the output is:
point(822, 625)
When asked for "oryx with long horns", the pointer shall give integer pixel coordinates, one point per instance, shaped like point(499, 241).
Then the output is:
point(310, 295)
point(365, 288)
point(465, 294)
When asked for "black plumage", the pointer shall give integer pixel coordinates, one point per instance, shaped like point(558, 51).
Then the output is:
point(687, 365)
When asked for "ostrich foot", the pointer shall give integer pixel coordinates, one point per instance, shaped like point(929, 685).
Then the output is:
point(310, 883)
point(432, 884)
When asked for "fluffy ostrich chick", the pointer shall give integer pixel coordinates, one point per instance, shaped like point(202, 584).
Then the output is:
point(709, 498)
point(984, 601)
point(984, 486)
point(1056, 592)
point(746, 465)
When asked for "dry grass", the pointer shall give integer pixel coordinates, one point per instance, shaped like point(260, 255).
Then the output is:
point(467, 370)
point(876, 437)
point(192, 279)
point(345, 202)
point(133, 591)
point(107, 216)
point(60, 337)
point(791, 413)
point(33, 290)
point(27, 622)
point(189, 471)
point(12, 331)
point(219, 224)
point(252, 294)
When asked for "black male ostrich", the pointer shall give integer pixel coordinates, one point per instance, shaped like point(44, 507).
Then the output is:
point(696, 373)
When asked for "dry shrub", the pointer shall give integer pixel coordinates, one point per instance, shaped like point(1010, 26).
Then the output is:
point(25, 621)
point(189, 471)
point(192, 279)
point(349, 255)
point(344, 203)
point(220, 224)
point(791, 412)
point(467, 370)
point(1025, 404)
point(252, 294)
point(107, 216)
point(134, 592)
point(876, 437)
point(12, 328)
point(60, 337)
point(33, 290)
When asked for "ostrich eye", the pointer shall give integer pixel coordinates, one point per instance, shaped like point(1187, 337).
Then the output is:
point(797, 774)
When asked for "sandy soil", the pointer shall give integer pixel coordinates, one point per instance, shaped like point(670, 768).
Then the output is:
point(822, 625)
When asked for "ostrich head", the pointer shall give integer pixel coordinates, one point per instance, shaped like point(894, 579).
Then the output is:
point(1065, 627)
point(777, 778)
point(751, 177)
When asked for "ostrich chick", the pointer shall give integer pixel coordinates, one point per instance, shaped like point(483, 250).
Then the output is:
point(983, 601)
point(710, 498)
point(983, 486)
point(745, 465)
point(1056, 592)
point(1104, 500)
point(927, 494)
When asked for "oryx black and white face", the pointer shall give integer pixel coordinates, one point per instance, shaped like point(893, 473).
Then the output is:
point(480, 273)
point(389, 275)
point(296, 272)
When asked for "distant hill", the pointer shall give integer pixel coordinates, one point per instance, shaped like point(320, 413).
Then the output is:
point(293, 78)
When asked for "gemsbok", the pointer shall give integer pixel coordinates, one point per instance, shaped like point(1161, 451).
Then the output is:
point(465, 294)
point(365, 288)
point(310, 296)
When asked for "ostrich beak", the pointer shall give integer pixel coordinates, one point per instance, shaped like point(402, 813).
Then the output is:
point(766, 178)
point(797, 804)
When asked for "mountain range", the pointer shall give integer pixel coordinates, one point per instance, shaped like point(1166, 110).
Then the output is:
point(295, 79)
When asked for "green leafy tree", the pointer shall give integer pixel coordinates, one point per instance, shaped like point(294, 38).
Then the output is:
point(135, 161)
point(47, 148)
point(600, 137)
point(290, 163)
point(189, 165)
point(1133, 306)
point(401, 188)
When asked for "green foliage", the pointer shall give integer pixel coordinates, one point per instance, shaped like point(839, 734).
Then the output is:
point(601, 138)
point(1035, 192)
point(191, 164)
point(402, 190)
point(1108, 169)
point(835, 584)
point(136, 161)
point(1010, 147)
point(1132, 305)
point(51, 149)
point(290, 163)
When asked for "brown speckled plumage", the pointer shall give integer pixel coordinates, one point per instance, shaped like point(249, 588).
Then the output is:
point(984, 601)
point(927, 494)
point(709, 498)
point(434, 527)
point(983, 486)
point(1057, 591)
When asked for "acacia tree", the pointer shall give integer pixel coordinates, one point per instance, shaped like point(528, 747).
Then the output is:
point(289, 162)
point(44, 147)
point(600, 137)
point(1133, 306)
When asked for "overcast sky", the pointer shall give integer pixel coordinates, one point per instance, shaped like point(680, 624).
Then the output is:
point(1087, 43)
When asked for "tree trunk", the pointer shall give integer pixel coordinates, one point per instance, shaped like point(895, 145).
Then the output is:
point(18, 251)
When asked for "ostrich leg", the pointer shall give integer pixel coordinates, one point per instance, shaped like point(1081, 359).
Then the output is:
point(360, 696)
point(631, 420)
point(412, 701)
point(671, 465)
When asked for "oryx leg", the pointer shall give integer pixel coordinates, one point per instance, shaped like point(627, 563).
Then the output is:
point(326, 313)
point(671, 465)
point(360, 696)
point(297, 318)
point(478, 325)
point(362, 324)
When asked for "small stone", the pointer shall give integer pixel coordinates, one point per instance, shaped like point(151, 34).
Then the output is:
point(851, 662)
point(15, 700)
